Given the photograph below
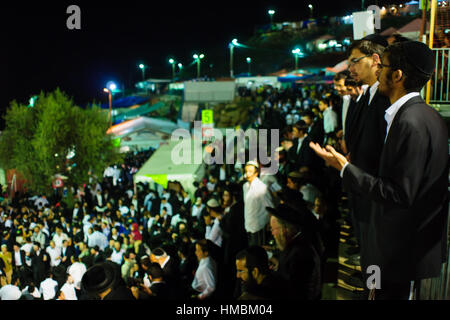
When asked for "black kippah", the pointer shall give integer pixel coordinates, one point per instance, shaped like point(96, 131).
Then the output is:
point(376, 38)
point(418, 55)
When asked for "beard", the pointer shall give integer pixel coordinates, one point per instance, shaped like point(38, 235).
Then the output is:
point(250, 286)
point(280, 242)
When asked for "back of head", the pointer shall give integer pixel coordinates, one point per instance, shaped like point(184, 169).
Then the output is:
point(415, 60)
point(155, 271)
point(367, 47)
point(341, 75)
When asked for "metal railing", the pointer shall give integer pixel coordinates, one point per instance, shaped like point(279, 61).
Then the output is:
point(440, 83)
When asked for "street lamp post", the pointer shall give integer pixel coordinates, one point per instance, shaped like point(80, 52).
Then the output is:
point(271, 13)
point(172, 62)
point(231, 46)
point(249, 61)
point(110, 87)
point(198, 58)
point(142, 67)
point(310, 6)
point(296, 52)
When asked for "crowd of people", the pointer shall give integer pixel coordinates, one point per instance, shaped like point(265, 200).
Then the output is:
point(242, 234)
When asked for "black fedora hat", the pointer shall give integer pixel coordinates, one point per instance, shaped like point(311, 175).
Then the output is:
point(299, 215)
point(100, 277)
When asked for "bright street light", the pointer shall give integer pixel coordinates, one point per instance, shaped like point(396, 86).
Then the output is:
point(172, 62)
point(233, 43)
point(249, 61)
point(198, 58)
point(143, 67)
point(296, 52)
point(112, 86)
point(310, 6)
point(271, 13)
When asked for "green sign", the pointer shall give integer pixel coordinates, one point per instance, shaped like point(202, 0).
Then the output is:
point(207, 117)
point(159, 179)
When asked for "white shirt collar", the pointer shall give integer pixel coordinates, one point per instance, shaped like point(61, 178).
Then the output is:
point(394, 108)
point(373, 90)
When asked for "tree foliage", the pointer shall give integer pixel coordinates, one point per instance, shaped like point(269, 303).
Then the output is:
point(56, 137)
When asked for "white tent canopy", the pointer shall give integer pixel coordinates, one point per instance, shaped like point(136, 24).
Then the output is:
point(161, 168)
point(143, 133)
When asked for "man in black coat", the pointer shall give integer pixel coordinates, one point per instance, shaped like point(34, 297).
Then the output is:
point(299, 263)
point(407, 236)
point(103, 281)
point(40, 263)
point(365, 129)
point(300, 154)
point(257, 281)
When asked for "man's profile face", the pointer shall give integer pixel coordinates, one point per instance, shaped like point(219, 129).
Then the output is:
point(242, 270)
point(339, 86)
point(360, 70)
point(277, 233)
point(384, 75)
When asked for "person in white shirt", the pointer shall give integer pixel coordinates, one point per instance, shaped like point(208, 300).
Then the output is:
point(256, 198)
point(98, 238)
point(48, 288)
point(330, 118)
point(148, 200)
point(59, 237)
point(68, 289)
point(215, 210)
point(124, 210)
point(11, 291)
point(117, 254)
point(77, 270)
point(33, 291)
point(167, 206)
point(206, 274)
point(197, 208)
point(55, 254)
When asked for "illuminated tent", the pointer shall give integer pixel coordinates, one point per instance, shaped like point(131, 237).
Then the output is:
point(161, 168)
point(142, 133)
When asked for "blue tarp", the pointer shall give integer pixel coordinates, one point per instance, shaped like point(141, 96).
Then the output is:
point(292, 78)
point(125, 102)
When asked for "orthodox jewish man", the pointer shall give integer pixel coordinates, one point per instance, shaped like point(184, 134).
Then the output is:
point(408, 213)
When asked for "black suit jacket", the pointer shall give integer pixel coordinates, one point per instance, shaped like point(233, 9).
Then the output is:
point(304, 157)
point(22, 257)
point(70, 251)
point(365, 141)
point(316, 131)
point(300, 266)
point(408, 213)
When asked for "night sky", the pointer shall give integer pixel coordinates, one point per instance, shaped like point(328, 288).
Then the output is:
point(40, 53)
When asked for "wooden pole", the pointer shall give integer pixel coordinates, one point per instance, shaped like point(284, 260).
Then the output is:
point(430, 43)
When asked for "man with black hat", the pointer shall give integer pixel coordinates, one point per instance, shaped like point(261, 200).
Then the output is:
point(408, 213)
point(103, 282)
point(299, 262)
